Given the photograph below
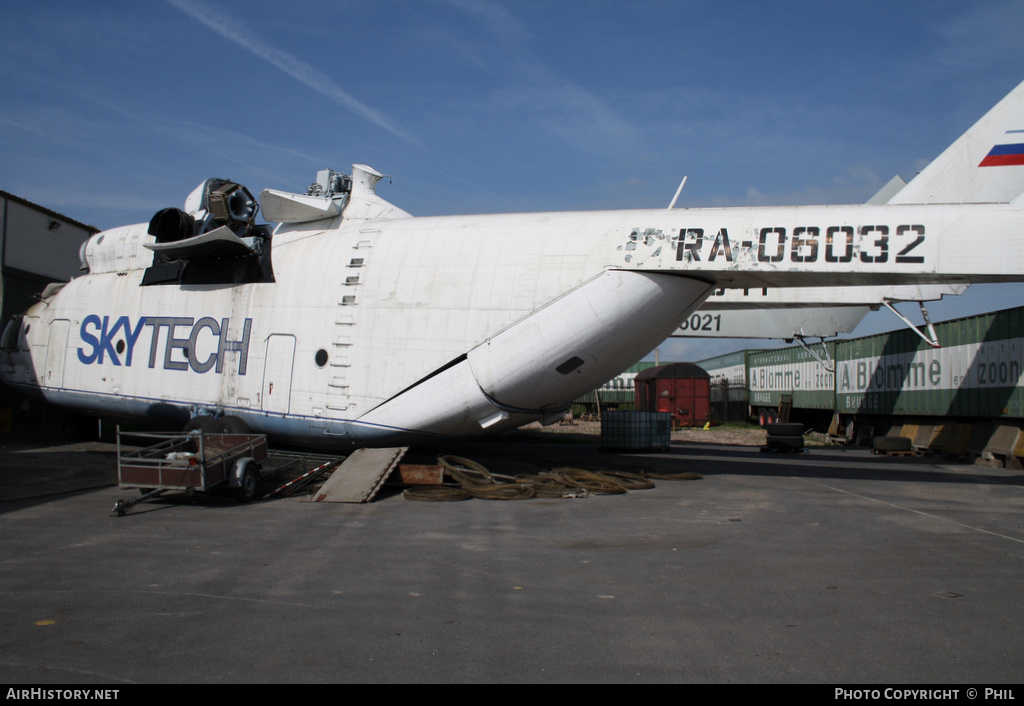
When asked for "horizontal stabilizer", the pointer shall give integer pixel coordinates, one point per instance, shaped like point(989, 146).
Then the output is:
point(779, 323)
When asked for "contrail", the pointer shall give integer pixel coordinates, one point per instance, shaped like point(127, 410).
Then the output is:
point(231, 30)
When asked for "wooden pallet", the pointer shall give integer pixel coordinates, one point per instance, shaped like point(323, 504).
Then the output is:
point(878, 452)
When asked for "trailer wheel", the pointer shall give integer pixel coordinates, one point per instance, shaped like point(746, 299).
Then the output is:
point(247, 483)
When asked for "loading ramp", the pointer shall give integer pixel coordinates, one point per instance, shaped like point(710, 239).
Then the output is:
point(360, 476)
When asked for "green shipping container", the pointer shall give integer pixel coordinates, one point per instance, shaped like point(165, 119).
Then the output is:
point(796, 371)
point(975, 373)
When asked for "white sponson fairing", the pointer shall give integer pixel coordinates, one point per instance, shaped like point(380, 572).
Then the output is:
point(550, 357)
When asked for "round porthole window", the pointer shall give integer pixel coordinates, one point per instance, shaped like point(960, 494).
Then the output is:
point(321, 358)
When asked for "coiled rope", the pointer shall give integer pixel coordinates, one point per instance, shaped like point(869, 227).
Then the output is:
point(589, 480)
point(436, 493)
point(475, 481)
point(685, 475)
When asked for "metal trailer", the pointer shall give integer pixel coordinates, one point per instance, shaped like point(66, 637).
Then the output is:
point(192, 462)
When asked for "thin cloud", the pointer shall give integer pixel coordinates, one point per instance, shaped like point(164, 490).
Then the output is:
point(231, 29)
point(566, 109)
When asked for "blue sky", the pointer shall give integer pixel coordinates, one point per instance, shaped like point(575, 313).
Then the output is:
point(113, 110)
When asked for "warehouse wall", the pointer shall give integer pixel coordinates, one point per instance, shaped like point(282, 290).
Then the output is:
point(37, 246)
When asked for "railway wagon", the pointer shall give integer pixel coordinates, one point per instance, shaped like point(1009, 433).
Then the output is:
point(730, 369)
point(617, 393)
point(885, 379)
point(975, 374)
point(892, 378)
point(728, 375)
point(681, 389)
point(799, 378)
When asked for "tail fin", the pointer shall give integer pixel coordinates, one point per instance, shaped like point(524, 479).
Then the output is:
point(887, 192)
point(986, 165)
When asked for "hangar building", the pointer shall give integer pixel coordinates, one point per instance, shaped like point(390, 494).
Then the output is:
point(38, 246)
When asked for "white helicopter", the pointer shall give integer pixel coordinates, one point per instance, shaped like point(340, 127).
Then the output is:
point(352, 323)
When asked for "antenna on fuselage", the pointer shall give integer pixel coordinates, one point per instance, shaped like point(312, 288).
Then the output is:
point(676, 197)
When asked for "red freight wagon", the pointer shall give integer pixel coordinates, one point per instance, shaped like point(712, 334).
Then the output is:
point(682, 389)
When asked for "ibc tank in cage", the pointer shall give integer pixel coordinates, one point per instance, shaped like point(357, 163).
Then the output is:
point(635, 431)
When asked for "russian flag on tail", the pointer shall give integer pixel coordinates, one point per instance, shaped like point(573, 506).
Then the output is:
point(1004, 155)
